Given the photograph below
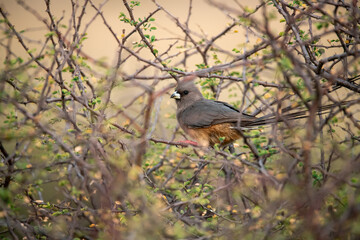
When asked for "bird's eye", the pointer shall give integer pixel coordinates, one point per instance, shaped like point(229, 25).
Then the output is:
point(186, 92)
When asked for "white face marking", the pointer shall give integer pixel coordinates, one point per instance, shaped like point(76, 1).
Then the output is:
point(175, 95)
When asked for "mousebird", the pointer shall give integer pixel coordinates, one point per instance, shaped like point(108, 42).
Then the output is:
point(211, 122)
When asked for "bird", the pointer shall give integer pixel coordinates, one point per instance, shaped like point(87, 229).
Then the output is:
point(207, 121)
point(211, 122)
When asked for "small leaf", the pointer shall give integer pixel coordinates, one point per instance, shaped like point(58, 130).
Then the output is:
point(49, 34)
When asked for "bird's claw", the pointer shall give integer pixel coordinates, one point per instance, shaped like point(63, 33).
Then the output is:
point(187, 143)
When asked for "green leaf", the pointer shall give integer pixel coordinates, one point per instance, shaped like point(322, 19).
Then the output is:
point(32, 50)
point(286, 63)
point(5, 195)
point(49, 34)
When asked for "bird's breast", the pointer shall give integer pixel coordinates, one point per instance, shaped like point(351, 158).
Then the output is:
point(222, 134)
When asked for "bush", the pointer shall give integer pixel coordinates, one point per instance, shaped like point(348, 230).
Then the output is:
point(91, 149)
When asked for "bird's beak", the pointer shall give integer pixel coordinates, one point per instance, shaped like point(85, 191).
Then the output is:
point(175, 95)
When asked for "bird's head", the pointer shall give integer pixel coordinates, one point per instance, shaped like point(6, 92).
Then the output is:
point(186, 92)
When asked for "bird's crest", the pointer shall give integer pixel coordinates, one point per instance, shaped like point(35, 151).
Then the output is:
point(188, 78)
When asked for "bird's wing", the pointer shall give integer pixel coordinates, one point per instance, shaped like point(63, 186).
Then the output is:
point(205, 113)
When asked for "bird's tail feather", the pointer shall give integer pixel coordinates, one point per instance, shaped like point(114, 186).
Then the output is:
point(272, 118)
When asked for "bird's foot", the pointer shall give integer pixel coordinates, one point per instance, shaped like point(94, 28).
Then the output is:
point(187, 143)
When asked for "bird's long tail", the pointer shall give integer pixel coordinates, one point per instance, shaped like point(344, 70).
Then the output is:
point(285, 116)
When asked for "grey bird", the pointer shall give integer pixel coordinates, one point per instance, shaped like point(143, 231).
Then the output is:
point(211, 122)
point(206, 121)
